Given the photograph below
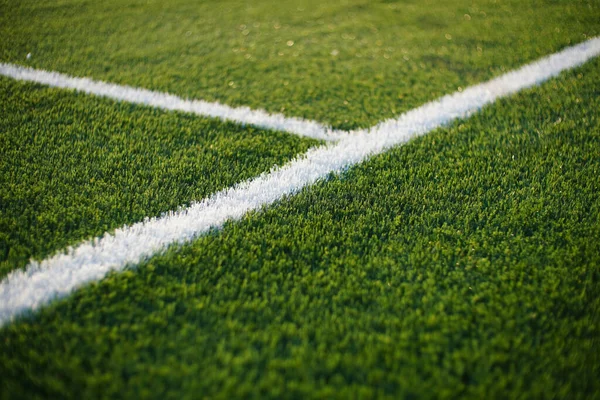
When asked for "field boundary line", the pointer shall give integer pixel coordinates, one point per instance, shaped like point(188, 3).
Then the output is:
point(166, 101)
point(27, 290)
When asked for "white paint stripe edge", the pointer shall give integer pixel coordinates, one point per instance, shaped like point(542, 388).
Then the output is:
point(59, 275)
point(242, 115)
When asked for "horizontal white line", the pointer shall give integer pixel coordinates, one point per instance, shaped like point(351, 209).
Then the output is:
point(242, 115)
point(59, 275)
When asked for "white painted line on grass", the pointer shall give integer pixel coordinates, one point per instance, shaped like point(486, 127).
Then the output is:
point(242, 115)
point(59, 275)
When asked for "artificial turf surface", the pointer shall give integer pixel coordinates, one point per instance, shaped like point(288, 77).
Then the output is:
point(464, 263)
point(74, 166)
point(347, 63)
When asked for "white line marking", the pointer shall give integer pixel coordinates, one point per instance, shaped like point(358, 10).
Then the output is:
point(242, 115)
point(90, 261)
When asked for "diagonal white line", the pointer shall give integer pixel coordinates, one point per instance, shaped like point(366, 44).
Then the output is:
point(59, 275)
point(166, 101)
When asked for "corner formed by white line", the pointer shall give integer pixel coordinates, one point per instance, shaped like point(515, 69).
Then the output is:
point(56, 277)
point(166, 101)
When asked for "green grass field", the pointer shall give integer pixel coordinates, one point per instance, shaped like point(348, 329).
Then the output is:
point(465, 263)
point(76, 166)
point(351, 63)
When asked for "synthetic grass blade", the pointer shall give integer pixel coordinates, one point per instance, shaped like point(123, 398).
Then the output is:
point(59, 275)
point(242, 115)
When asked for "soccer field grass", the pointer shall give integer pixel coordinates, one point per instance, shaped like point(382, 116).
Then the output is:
point(347, 63)
point(163, 160)
point(463, 263)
